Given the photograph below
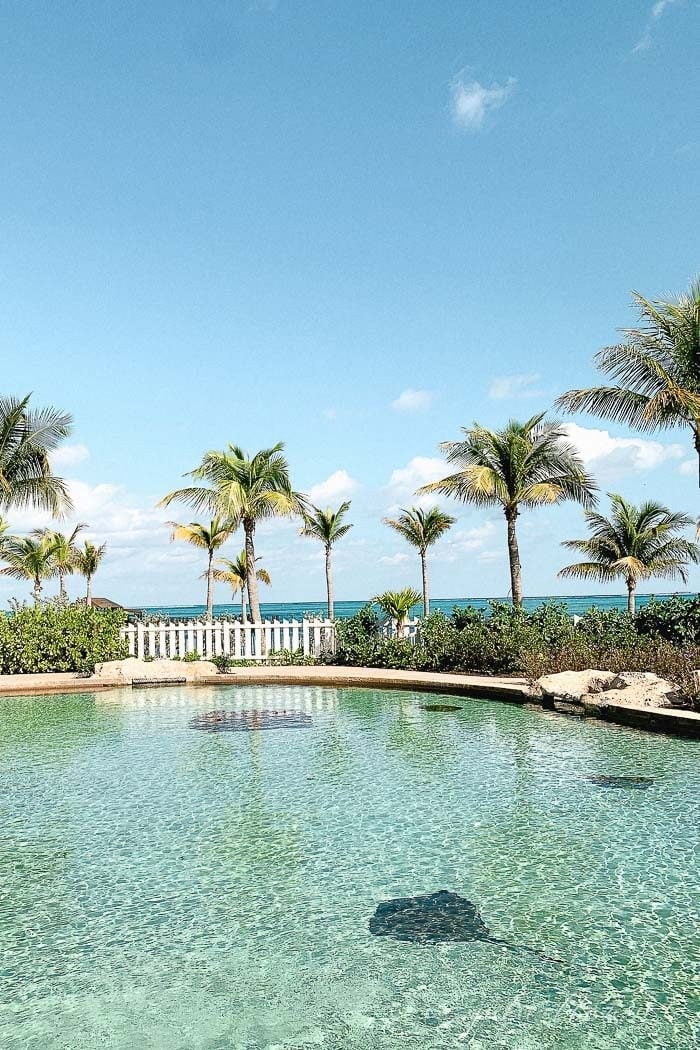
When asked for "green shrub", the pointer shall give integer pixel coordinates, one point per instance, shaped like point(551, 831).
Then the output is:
point(59, 638)
point(675, 619)
point(191, 658)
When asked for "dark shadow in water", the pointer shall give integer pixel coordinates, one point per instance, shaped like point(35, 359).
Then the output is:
point(437, 918)
point(440, 707)
point(247, 721)
point(604, 780)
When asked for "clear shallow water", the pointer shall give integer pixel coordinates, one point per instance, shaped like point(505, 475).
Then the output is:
point(576, 605)
point(179, 890)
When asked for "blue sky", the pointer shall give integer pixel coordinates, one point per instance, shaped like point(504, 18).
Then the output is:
point(270, 220)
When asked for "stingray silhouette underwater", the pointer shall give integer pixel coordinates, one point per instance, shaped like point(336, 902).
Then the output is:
point(438, 918)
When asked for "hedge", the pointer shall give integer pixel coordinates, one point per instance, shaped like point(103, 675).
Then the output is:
point(59, 638)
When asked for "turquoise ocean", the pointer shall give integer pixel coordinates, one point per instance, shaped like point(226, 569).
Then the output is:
point(576, 605)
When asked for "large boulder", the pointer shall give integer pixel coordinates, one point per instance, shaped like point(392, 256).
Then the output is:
point(642, 688)
point(132, 668)
point(570, 687)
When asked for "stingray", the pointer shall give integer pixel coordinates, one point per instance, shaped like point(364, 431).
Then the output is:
point(440, 707)
point(246, 721)
point(608, 781)
point(437, 918)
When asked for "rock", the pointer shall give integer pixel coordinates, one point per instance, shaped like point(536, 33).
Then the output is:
point(642, 688)
point(156, 670)
point(570, 687)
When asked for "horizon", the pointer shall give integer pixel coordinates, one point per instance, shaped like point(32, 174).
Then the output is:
point(355, 230)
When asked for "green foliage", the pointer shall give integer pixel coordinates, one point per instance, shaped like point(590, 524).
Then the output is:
point(59, 638)
point(283, 658)
point(675, 619)
point(191, 658)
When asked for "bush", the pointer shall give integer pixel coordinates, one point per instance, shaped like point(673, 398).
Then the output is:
point(675, 619)
point(59, 638)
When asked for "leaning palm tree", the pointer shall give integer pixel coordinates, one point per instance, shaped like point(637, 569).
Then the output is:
point(246, 489)
point(87, 563)
point(65, 553)
point(422, 528)
point(656, 370)
point(328, 527)
point(524, 465)
point(235, 574)
point(397, 605)
point(209, 538)
point(28, 436)
point(633, 544)
point(29, 558)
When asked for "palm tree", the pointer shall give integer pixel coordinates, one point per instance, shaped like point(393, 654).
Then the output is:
point(235, 574)
point(247, 489)
point(209, 538)
point(328, 527)
point(422, 528)
point(29, 558)
point(656, 370)
point(524, 465)
point(397, 605)
point(27, 439)
point(65, 552)
point(87, 563)
point(633, 543)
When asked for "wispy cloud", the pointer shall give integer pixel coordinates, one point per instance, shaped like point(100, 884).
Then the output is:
point(521, 385)
point(413, 401)
point(404, 482)
point(472, 101)
point(339, 486)
point(69, 455)
point(657, 11)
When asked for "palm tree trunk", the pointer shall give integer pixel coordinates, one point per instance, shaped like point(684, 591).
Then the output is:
point(210, 588)
point(516, 579)
point(88, 591)
point(329, 584)
point(244, 612)
point(61, 586)
point(37, 590)
point(249, 527)
point(696, 434)
point(631, 592)
point(424, 571)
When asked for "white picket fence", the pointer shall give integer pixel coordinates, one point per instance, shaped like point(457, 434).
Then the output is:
point(166, 639)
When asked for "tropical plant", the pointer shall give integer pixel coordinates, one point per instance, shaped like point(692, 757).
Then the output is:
point(28, 436)
point(422, 528)
point(245, 489)
point(55, 637)
point(328, 527)
point(64, 551)
point(527, 464)
point(209, 538)
point(634, 543)
point(656, 370)
point(234, 572)
point(397, 605)
point(29, 558)
point(87, 562)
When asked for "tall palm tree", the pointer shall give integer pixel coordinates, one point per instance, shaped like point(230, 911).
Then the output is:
point(328, 527)
point(29, 558)
point(87, 563)
point(247, 489)
point(28, 436)
point(235, 574)
point(397, 605)
point(65, 552)
point(524, 465)
point(656, 370)
point(209, 538)
point(634, 543)
point(422, 528)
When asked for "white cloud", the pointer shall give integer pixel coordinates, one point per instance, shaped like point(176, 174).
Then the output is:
point(688, 467)
point(612, 456)
point(338, 487)
point(395, 559)
point(646, 39)
point(404, 481)
point(69, 455)
point(519, 385)
point(413, 401)
point(472, 101)
point(460, 542)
